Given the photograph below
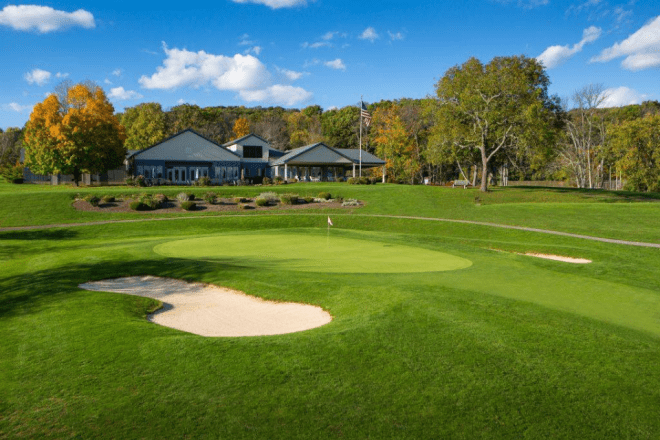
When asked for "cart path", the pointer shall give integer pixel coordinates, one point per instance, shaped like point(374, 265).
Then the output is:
point(400, 217)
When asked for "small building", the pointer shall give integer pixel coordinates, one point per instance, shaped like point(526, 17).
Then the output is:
point(319, 162)
point(184, 158)
point(257, 156)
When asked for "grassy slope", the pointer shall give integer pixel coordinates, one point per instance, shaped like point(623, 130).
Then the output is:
point(621, 215)
point(511, 347)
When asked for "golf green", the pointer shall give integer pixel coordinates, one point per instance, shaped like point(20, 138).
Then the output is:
point(312, 253)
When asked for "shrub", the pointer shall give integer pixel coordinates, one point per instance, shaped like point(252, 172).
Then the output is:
point(150, 201)
point(244, 206)
point(185, 197)
point(270, 196)
point(278, 180)
point(203, 181)
point(139, 206)
point(352, 180)
point(324, 195)
point(108, 199)
point(261, 201)
point(351, 202)
point(266, 181)
point(12, 174)
point(241, 200)
point(210, 197)
point(289, 199)
point(162, 198)
point(188, 205)
point(92, 200)
point(359, 180)
point(309, 199)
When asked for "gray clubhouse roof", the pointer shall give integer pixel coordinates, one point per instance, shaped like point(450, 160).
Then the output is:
point(241, 139)
point(320, 153)
point(213, 150)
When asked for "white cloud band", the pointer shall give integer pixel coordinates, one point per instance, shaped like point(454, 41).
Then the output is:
point(44, 19)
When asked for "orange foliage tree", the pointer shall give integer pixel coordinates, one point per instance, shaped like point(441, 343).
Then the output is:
point(394, 144)
point(79, 135)
point(241, 127)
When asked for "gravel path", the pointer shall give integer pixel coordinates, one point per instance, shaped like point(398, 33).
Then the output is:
point(469, 222)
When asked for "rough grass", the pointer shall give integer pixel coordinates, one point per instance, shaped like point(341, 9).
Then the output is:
point(510, 347)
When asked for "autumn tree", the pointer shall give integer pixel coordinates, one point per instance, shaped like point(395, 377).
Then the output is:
point(79, 135)
point(241, 127)
point(144, 124)
point(497, 106)
point(636, 147)
point(394, 143)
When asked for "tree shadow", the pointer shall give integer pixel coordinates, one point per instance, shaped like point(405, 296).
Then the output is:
point(592, 192)
point(39, 234)
point(28, 293)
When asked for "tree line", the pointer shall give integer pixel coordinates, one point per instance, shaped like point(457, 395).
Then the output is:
point(483, 119)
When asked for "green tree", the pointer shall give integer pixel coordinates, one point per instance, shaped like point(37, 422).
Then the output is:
point(10, 146)
point(341, 128)
point(144, 124)
point(494, 107)
point(80, 135)
point(636, 146)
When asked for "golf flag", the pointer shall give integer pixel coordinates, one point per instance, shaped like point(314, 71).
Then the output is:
point(366, 116)
point(330, 222)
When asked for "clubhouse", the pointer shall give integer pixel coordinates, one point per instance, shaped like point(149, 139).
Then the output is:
point(188, 156)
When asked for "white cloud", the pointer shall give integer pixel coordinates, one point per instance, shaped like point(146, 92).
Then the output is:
point(620, 96)
point(641, 49)
point(395, 36)
point(369, 34)
point(15, 107)
point(61, 75)
point(337, 64)
point(553, 56)
point(290, 74)
point(316, 45)
point(117, 72)
point(183, 68)
point(275, 4)
point(256, 50)
point(38, 77)
point(107, 81)
point(43, 18)
point(277, 94)
point(244, 74)
point(120, 94)
point(245, 40)
point(329, 35)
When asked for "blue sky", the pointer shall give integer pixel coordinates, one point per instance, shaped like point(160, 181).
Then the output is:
point(296, 53)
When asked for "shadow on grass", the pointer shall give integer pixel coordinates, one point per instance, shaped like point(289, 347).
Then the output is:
point(43, 234)
point(28, 293)
point(587, 192)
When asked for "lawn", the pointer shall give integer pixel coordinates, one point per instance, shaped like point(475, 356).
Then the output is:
point(439, 329)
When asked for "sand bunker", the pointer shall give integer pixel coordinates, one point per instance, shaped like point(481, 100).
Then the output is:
point(559, 258)
point(209, 310)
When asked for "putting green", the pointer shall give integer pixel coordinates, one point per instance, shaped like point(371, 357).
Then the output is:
point(312, 253)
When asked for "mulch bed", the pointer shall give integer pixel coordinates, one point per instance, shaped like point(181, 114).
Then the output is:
point(222, 205)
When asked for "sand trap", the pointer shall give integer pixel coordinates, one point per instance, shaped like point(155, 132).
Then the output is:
point(549, 257)
point(559, 258)
point(208, 310)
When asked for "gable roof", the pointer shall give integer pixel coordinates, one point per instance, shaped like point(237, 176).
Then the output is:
point(322, 157)
point(222, 151)
point(241, 139)
point(367, 158)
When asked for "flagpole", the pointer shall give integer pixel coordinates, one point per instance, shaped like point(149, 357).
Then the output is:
point(361, 105)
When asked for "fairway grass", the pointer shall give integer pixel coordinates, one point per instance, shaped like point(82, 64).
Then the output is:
point(311, 251)
point(503, 347)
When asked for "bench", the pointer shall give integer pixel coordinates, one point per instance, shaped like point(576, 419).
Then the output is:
point(463, 183)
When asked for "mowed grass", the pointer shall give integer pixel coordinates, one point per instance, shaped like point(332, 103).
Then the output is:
point(311, 251)
point(508, 347)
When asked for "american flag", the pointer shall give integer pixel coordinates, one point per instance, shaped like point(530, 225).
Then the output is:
point(366, 116)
